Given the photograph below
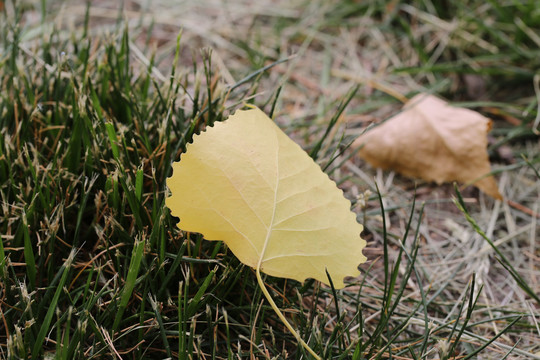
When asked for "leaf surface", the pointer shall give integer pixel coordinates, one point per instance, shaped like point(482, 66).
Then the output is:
point(245, 182)
point(433, 141)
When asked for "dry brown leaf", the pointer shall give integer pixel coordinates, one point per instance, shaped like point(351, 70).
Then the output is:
point(434, 141)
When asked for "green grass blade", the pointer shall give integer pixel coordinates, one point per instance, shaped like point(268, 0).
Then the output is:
point(133, 271)
point(314, 153)
point(2, 262)
point(195, 302)
point(468, 315)
point(162, 331)
point(139, 185)
point(502, 258)
point(29, 253)
point(44, 329)
point(499, 334)
point(530, 163)
point(113, 141)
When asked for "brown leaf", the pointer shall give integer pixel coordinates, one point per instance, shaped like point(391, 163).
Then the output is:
point(434, 141)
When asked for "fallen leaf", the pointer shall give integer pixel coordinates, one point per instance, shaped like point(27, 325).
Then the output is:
point(434, 141)
point(245, 182)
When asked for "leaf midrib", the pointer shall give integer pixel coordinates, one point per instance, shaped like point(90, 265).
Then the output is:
point(274, 204)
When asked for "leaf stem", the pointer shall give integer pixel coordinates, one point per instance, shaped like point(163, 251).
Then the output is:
point(260, 280)
point(280, 314)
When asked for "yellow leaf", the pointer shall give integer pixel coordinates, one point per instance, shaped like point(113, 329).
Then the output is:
point(245, 182)
point(433, 141)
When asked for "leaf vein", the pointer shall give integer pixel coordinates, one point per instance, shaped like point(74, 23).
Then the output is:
point(222, 216)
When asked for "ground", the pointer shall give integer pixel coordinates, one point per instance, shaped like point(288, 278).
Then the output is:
point(98, 101)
